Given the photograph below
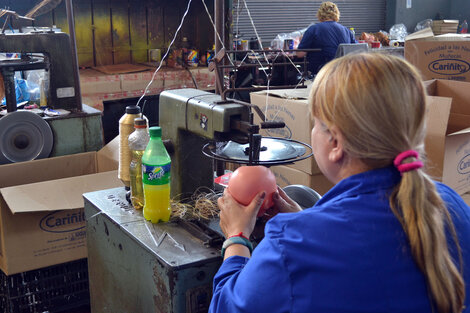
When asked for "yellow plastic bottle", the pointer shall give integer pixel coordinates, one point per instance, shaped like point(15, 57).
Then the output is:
point(138, 142)
point(156, 166)
point(126, 127)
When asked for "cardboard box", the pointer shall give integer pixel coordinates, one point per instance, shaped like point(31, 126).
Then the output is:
point(448, 133)
point(445, 26)
point(139, 81)
point(439, 57)
point(42, 220)
point(205, 79)
point(291, 107)
point(92, 81)
point(286, 176)
point(97, 86)
point(176, 79)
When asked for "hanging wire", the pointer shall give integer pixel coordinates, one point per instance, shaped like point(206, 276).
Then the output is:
point(298, 84)
point(215, 29)
point(269, 77)
point(253, 24)
point(238, 15)
point(166, 53)
point(223, 46)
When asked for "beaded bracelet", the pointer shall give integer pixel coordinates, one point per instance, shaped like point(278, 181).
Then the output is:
point(237, 239)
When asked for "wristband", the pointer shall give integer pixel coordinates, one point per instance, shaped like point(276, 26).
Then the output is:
point(240, 234)
point(241, 240)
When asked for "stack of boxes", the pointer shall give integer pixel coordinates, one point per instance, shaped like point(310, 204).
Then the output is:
point(443, 61)
point(97, 87)
point(440, 27)
point(444, 56)
point(291, 107)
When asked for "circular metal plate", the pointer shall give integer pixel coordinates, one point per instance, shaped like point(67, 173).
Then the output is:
point(273, 151)
point(24, 136)
point(305, 196)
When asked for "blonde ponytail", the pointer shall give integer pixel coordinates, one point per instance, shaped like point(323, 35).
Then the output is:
point(423, 216)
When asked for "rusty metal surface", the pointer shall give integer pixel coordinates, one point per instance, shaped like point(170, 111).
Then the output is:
point(84, 32)
point(122, 31)
point(103, 45)
point(136, 266)
point(156, 31)
point(138, 32)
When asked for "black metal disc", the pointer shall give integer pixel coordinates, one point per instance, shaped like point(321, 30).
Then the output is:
point(24, 136)
point(274, 151)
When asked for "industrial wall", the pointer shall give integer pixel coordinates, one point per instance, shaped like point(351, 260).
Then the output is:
point(122, 31)
point(460, 9)
point(272, 17)
point(398, 12)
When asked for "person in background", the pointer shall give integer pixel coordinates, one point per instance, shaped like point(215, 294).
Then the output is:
point(326, 35)
point(385, 238)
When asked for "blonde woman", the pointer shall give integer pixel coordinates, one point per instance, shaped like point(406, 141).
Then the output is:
point(326, 35)
point(385, 238)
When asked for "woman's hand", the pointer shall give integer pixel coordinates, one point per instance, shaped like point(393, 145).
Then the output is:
point(283, 204)
point(235, 217)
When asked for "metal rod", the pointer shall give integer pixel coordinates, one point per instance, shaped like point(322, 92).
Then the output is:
point(258, 65)
point(219, 29)
point(73, 43)
point(5, 24)
point(273, 50)
point(258, 89)
point(219, 167)
point(10, 93)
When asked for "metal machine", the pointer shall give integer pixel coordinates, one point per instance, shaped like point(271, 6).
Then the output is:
point(56, 52)
point(190, 118)
point(136, 266)
point(25, 135)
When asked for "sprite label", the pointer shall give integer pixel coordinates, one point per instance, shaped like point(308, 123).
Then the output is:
point(156, 174)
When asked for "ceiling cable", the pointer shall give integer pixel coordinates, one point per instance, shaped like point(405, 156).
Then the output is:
point(166, 53)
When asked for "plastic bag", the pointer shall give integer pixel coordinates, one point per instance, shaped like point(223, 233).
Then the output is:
point(296, 36)
point(398, 32)
point(25, 91)
point(278, 42)
point(423, 24)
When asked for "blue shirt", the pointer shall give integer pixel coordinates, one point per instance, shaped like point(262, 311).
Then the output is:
point(326, 36)
point(348, 253)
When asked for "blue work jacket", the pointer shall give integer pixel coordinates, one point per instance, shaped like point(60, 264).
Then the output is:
point(327, 36)
point(348, 253)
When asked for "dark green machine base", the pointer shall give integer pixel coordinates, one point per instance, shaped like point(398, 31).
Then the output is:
point(77, 132)
point(135, 266)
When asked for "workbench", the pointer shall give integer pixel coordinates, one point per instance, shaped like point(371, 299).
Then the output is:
point(136, 266)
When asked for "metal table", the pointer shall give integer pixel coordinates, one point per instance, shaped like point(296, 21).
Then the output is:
point(135, 266)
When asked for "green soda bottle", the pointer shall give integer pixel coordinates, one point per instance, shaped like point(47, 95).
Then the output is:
point(156, 165)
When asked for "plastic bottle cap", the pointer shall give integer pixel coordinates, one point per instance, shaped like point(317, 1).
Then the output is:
point(155, 131)
point(140, 122)
point(132, 109)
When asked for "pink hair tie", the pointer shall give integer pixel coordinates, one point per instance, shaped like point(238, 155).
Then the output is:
point(406, 167)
